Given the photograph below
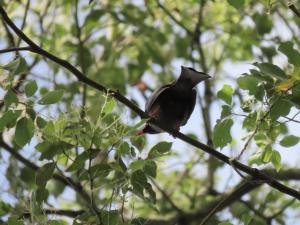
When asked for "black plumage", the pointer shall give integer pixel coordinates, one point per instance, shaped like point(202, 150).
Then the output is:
point(173, 104)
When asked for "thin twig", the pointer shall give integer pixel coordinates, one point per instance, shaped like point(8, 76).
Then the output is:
point(8, 50)
point(251, 207)
point(178, 22)
point(24, 20)
point(166, 196)
point(282, 209)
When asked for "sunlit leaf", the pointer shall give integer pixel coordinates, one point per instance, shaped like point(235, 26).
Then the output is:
point(221, 133)
point(137, 165)
point(226, 94)
point(271, 70)
point(10, 97)
point(9, 119)
point(276, 160)
point(17, 66)
point(236, 3)
point(280, 108)
point(292, 54)
point(289, 141)
point(285, 85)
point(30, 88)
point(160, 149)
point(51, 97)
point(24, 131)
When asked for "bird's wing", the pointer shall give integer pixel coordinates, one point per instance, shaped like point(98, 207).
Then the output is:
point(191, 106)
point(152, 99)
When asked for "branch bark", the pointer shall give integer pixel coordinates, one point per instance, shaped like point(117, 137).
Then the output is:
point(255, 173)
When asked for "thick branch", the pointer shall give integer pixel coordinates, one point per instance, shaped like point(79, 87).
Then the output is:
point(60, 212)
point(294, 9)
point(255, 173)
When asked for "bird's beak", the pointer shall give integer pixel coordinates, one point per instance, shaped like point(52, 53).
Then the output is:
point(193, 75)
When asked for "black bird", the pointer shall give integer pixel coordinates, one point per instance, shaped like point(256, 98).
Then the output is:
point(173, 104)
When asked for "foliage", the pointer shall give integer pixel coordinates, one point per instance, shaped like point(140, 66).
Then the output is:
point(69, 150)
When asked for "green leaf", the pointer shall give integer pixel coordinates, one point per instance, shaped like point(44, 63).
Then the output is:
point(267, 154)
point(10, 97)
point(138, 142)
point(30, 88)
point(124, 149)
point(271, 70)
point(160, 149)
point(151, 193)
point(246, 218)
point(280, 108)
point(110, 217)
point(226, 94)
point(109, 106)
point(226, 111)
point(137, 165)
point(292, 54)
point(41, 123)
point(276, 160)
point(221, 133)
point(225, 223)
point(17, 66)
point(44, 174)
point(150, 168)
point(249, 122)
point(58, 222)
point(51, 97)
point(138, 181)
point(24, 131)
point(14, 220)
point(27, 175)
point(251, 83)
point(78, 162)
point(51, 149)
point(263, 23)
point(55, 187)
point(5, 208)
point(41, 194)
point(101, 170)
point(289, 141)
point(9, 119)
point(236, 3)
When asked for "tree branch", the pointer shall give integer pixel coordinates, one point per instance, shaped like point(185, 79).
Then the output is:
point(14, 49)
point(60, 212)
point(294, 9)
point(255, 173)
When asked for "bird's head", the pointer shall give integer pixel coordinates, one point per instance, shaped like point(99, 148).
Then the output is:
point(191, 76)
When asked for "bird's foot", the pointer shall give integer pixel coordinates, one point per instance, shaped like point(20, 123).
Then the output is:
point(177, 128)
